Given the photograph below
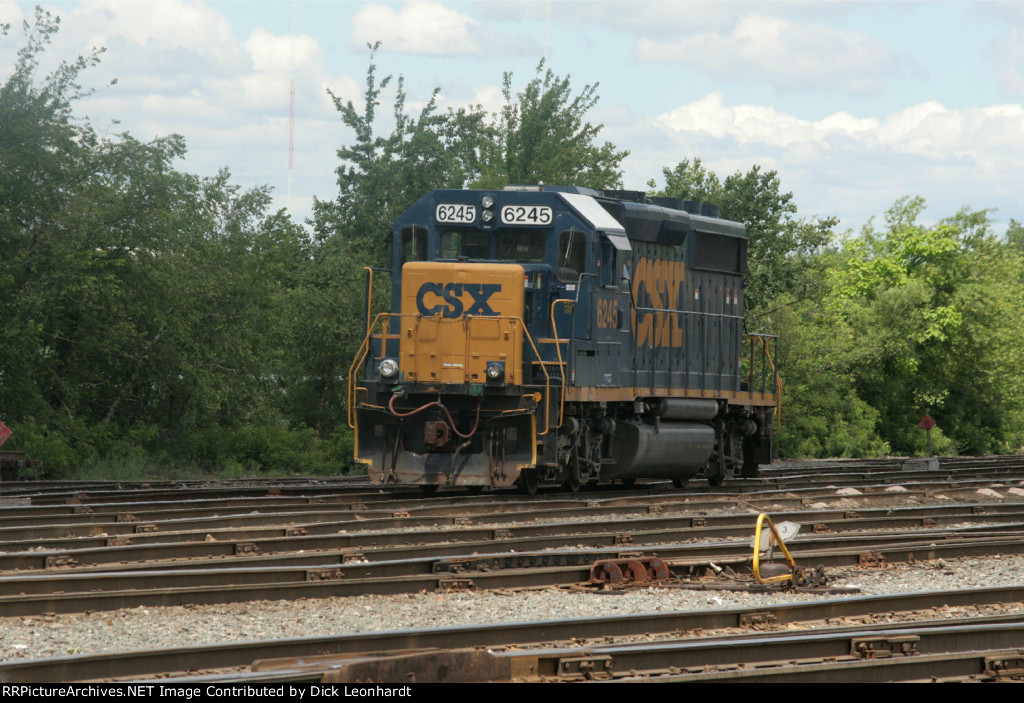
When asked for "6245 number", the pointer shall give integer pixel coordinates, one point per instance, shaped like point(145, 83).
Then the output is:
point(526, 215)
point(458, 214)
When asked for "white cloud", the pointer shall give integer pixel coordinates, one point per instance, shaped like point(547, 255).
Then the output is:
point(657, 18)
point(163, 24)
point(785, 54)
point(10, 13)
point(181, 69)
point(272, 53)
point(433, 29)
point(490, 98)
point(846, 165)
point(928, 129)
point(418, 28)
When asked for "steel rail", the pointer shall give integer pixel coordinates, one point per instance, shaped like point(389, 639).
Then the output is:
point(270, 525)
point(163, 546)
point(32, 595)
point(242, 654)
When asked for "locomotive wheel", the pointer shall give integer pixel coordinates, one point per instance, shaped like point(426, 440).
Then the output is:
point(716, 481)
point(680, 482)
point(528, 481)
point(574, 483)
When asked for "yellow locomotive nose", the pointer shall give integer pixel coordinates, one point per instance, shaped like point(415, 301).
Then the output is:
point(461, 323)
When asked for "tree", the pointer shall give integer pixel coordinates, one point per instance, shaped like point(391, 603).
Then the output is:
point(143, 305)
point(541, 136)
point(781, 245)
point(936, 313)
point(45, 157)
point(1015, 235)
point(822, 415)
point(381, 176)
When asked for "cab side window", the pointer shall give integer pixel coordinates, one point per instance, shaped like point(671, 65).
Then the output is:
point(414, 244)
point(572, 255)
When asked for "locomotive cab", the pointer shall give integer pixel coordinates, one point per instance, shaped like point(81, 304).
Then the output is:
point(559, 335)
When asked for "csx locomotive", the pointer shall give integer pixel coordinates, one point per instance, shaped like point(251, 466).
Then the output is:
point(562, 335)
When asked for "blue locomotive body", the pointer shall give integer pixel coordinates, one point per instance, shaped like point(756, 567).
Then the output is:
point(562, 335)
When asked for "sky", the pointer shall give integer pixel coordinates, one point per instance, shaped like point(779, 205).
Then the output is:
point(854, 104)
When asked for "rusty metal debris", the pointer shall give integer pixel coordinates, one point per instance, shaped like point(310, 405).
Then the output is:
point(634, 570)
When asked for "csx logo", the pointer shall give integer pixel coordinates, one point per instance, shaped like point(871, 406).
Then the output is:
point(658, 284)
point(446, 299)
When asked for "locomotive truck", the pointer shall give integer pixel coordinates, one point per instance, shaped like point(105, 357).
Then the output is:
point(562, 335)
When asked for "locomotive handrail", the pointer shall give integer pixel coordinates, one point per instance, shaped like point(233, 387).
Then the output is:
point(766, 355)
point(369, 296)
point(689, 312)
point(558, 351)
point(385, 317)
point(547, 381)
point(356, 363)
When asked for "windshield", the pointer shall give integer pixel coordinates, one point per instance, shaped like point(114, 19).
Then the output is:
point(521, 246)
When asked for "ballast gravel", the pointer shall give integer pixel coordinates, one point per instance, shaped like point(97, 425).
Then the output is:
point(141, 628)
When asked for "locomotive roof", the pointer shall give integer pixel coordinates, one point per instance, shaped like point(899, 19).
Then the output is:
point(630, 214)
point(634, 212)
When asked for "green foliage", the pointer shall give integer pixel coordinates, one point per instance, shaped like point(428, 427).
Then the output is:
point(900, 321)
point(146, 310)
point(936, 313)
point(542, 135)
point(909, 320)
point(822, 415)
point(381, 176)
point(1015, 235)
point(265, 448)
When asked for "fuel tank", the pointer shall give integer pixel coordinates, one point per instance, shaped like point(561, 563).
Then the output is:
point(673, 450)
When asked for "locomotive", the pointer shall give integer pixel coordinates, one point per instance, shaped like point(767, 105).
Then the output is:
point(562, 335)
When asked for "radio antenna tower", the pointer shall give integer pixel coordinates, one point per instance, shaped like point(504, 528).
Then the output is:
point(291, 117)
point(547, 36)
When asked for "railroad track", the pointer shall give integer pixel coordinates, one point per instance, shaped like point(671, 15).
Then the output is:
point(962, 470)
point(74, 550)
point(823, 635)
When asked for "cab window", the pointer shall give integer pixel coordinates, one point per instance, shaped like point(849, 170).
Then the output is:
point(522, 245)
point(572, 255)
point(470, 245)
point(414, 244)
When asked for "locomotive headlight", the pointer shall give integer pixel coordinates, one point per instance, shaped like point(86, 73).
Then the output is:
point(486, 215)
point(487, 201)
point(495, 371)
point(389, 368)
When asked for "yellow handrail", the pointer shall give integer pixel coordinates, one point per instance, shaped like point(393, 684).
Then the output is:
point(356, 363)
point(369, 297)
point(558, 351)
point(766, 353)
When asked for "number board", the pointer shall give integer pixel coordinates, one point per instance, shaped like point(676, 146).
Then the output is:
point(526, 215)
point(456, 214)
